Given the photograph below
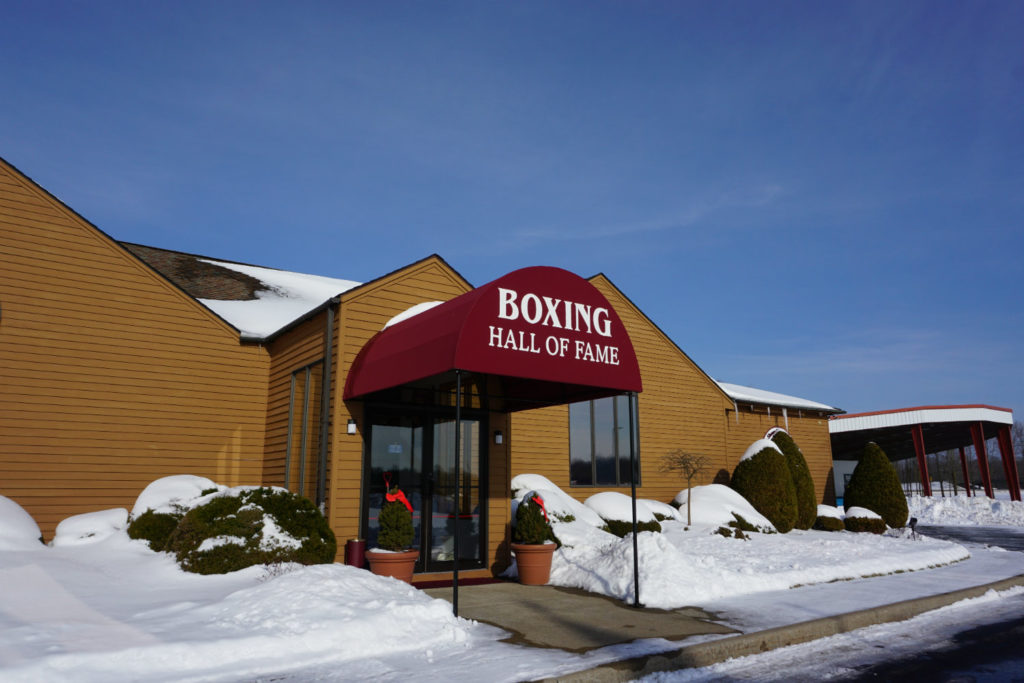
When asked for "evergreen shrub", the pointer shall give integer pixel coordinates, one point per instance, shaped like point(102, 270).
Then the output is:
point(861, 524)
point(395, 530)
point(823, 523)
point(227, 533)
point(531, 527)
point(740, 523)
point(764, 480)
point(154, 528)
point(875, 485)
point(806, 503)
point(621, 528)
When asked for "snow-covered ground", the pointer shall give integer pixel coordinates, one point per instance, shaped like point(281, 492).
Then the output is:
point(104, 607)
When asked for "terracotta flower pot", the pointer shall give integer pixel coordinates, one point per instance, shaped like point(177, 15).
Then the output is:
point(533, 562)
point(398, 565)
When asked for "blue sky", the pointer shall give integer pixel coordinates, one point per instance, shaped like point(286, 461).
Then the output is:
point(820, 199)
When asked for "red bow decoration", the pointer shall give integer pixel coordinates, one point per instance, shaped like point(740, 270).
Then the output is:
point(540, 501)
point(397, 495)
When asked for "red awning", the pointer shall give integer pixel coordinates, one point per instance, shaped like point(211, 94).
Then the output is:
point(551, 334)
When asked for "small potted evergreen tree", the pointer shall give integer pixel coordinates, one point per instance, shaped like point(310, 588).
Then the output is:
point(392, 556)
point(533, 541)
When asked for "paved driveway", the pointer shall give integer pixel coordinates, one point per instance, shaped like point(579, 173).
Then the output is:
point(1008, 537)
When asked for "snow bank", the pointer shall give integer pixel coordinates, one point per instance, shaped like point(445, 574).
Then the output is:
point(964, 511)
point(106, 611)
point(758, 446)
point(18, 531)
point(713, 506)
point(679, 568)
point(90, 527)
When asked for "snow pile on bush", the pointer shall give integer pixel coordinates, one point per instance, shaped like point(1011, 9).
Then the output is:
point(18, 531)
point(716, 505)
point(964, 511)
point(91, 527)
point(212, 529)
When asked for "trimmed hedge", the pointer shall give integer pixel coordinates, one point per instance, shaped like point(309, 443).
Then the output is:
point(874, 485)
point(828, 524)
point(806, 503)
point(227, 533)
point(764, 480)
point(621, 528)
point(862, 524)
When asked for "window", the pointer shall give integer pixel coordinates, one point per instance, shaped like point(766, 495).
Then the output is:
point(302, 459)
point(599, 441)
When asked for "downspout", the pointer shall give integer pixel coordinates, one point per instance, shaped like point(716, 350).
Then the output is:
point(325, 405)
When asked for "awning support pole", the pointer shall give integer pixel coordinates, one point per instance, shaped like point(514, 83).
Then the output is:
point(967, 474)
point(981, 453)
point(1009, 462)
point(632, 486)
point(458, 471)
point(922, 460)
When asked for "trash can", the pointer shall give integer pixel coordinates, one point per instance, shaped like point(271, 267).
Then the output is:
point(355, 552)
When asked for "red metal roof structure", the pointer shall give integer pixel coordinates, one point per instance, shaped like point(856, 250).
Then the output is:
point(549, 334)
point(914, 432)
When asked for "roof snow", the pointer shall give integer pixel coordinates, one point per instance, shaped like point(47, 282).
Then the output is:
point(741, 393)
point(283, 298)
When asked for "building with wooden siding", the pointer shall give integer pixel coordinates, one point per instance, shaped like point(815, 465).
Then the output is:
point(122, 363)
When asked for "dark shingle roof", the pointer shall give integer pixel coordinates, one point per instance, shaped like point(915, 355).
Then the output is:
point(198, 278)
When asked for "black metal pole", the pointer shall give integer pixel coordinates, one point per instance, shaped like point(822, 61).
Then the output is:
point(458, 469)
point(632, 484)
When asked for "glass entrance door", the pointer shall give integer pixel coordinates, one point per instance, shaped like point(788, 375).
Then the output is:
point(418, 455)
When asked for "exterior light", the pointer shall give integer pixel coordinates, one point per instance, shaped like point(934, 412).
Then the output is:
point(351, 426)
point(498, 438)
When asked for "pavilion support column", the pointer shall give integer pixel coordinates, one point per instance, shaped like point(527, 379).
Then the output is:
point(967, 474)
point(978, 436)
point(1009, 462)
point(922, 460)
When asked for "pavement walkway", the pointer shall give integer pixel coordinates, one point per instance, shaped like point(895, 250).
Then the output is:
point(576, 621)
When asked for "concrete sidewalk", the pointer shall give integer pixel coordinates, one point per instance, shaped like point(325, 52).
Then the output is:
point(572, 620)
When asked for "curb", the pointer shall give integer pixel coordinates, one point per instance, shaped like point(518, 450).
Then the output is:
point(715, 651)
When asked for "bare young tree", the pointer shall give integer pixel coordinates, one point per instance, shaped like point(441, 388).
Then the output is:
point(687, 466)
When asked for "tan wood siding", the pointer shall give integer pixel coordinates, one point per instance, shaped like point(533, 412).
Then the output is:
point(110, 377)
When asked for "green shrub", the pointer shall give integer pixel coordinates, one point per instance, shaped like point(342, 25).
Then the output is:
point(806, 502)
point(741, 524)
point(764, 480)
point(874, 485)
point(154, 528)
point(870, 524)
point(828, 524)
point(232, 528)
point(621, 528)
point(396, 529)
point(531, 527)
point(724, 531)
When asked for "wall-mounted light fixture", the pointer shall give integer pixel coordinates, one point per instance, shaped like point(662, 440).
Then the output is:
point(498, 437)
point(351, 426)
